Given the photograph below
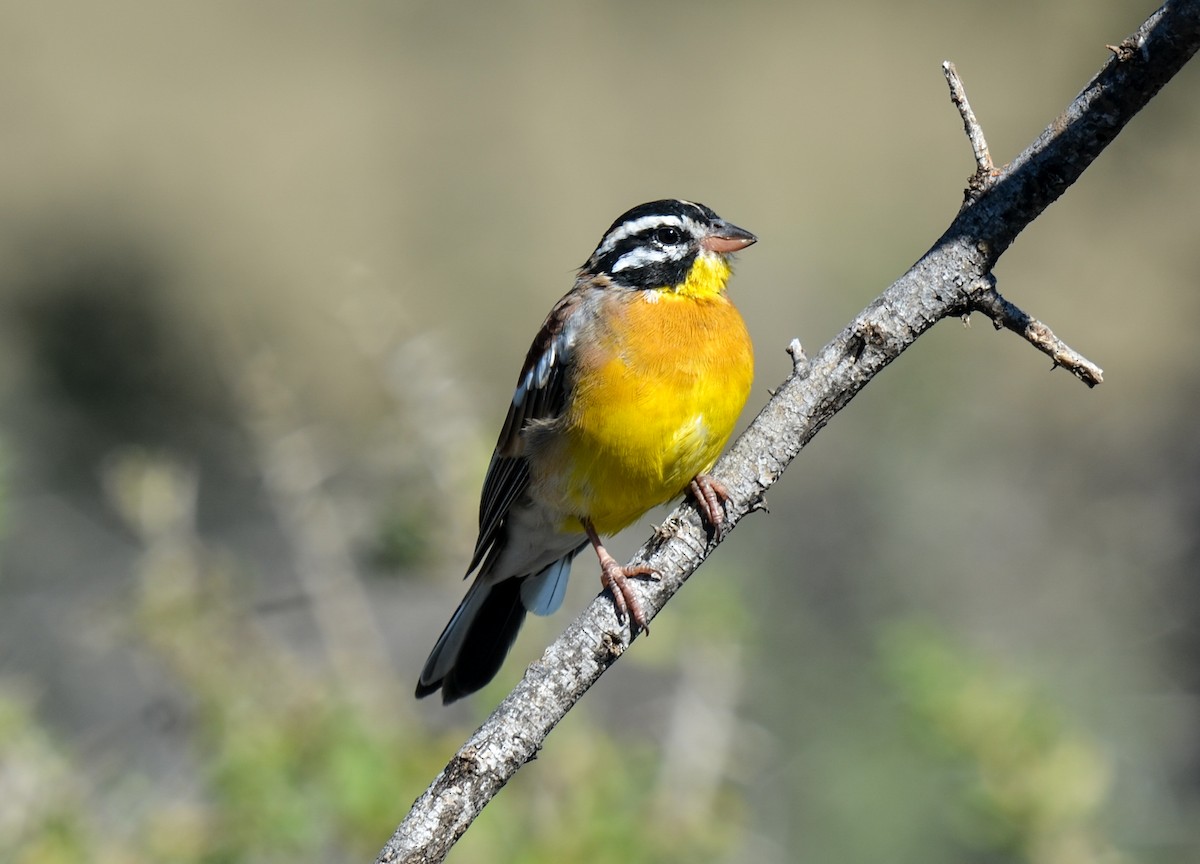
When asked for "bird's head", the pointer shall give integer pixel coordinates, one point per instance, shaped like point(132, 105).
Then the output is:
point(668, 246)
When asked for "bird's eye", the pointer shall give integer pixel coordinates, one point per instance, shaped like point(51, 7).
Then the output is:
point(668, 236)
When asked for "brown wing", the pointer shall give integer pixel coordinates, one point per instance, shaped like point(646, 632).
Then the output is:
point(540, 394)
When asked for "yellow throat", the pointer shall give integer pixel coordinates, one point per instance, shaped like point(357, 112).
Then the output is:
point(705, 280)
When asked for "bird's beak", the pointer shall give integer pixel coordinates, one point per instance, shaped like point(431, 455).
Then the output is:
point(726, 238)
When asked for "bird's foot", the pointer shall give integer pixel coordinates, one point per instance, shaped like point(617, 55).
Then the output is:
point(615, 579)
point(711, 495)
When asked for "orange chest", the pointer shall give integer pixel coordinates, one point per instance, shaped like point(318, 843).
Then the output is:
point(686, 352)
point(664, 384)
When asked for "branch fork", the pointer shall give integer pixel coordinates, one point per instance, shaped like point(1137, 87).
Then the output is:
point(985, 297)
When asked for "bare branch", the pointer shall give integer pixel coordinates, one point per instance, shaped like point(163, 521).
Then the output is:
point(945, 282)
point(1005, 314)
point(979, 146)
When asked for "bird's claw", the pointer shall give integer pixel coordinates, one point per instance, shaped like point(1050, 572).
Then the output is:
point(711, 495)
point(615, 579)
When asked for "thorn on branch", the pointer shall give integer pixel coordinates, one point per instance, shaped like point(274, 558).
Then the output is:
point(800, 361)
point(985, 169)
point(1132, 46)
point(1005, 314)
point(611, 647)
point(665, 531)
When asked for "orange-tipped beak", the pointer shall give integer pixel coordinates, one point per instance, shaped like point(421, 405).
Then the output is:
point(726, 238)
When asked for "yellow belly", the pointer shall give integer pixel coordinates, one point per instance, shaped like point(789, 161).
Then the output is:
point(657, 411)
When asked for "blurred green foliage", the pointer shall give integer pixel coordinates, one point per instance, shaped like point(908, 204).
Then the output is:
point(291, 766)
point(1032, 784)
point(401, 538)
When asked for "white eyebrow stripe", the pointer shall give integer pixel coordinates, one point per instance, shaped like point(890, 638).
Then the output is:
point(640, 257)
point(636, 226)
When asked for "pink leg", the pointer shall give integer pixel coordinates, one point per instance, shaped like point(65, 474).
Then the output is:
point(615, 579)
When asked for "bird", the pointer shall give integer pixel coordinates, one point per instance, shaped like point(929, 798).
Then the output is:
point(627, 396)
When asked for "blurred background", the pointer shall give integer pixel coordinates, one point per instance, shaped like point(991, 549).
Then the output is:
point(267, 274)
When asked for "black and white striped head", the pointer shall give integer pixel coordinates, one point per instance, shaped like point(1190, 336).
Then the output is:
point(655, 245)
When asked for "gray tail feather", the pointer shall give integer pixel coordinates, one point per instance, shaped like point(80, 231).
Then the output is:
point(474, 644)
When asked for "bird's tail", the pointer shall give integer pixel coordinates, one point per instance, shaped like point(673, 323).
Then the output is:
point(473, 646)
